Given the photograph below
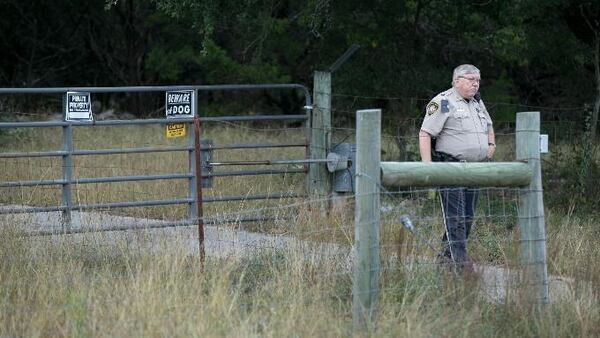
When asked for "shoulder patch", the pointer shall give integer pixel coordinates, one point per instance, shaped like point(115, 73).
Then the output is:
point(445, 108)
point(432, 107)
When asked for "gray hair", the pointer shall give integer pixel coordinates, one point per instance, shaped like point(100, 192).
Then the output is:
point(464, 69)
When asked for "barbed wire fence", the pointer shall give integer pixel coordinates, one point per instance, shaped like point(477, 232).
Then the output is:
point(408, 264)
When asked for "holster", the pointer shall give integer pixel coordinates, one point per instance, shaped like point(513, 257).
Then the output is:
point(438, 156)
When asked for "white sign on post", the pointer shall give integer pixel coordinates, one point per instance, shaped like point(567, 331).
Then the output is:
point(179, 104)
point(78, 106)
point(544, 143)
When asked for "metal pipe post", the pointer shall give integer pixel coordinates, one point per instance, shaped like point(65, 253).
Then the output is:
point(67, 169)
point(198, 181)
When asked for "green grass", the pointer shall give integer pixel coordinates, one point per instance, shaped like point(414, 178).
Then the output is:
point(100, 285)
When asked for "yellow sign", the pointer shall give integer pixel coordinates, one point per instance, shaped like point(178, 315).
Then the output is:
point(175, 130)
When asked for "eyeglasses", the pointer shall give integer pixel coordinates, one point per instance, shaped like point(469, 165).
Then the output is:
point(471, 79)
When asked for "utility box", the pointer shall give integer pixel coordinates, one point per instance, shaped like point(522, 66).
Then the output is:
point(343, 180)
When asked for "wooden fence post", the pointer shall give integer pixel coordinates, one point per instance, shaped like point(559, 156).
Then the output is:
point(320, 135)
point(531, 211)
point(366, 218)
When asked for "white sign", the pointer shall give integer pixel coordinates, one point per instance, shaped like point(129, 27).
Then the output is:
point(78, 106)
point(180, 103)
point(543, 143)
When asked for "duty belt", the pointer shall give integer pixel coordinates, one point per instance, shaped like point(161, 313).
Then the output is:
point(438, 156)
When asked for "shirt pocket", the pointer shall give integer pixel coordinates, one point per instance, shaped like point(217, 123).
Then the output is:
point(460, 114)
point(459, 121)
point(483, 121)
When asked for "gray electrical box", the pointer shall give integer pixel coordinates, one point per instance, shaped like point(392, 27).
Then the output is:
point(206, 156)
point(343, 180)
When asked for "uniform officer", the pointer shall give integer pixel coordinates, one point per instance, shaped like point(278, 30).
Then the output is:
point(463, 132)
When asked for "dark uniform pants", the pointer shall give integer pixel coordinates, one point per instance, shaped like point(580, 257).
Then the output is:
point(458, 206)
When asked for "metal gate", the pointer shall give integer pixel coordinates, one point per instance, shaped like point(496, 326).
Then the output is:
point(196, 167)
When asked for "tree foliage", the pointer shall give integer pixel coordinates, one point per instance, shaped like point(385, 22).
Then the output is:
point(530, 52)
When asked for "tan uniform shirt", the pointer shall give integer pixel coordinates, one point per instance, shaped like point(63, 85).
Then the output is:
point(460, 126)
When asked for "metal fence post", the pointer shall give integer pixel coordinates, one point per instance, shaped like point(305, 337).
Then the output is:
point(366, 218)
point(195, 183)
point(320, 131)
point(531, 211)
point(192, 207)
point(67, 170)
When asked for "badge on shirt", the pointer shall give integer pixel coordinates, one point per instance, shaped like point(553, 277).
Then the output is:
point(432, 107)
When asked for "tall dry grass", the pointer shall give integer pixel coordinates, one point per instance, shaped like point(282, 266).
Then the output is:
point(96, 285)
point(108, 284)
